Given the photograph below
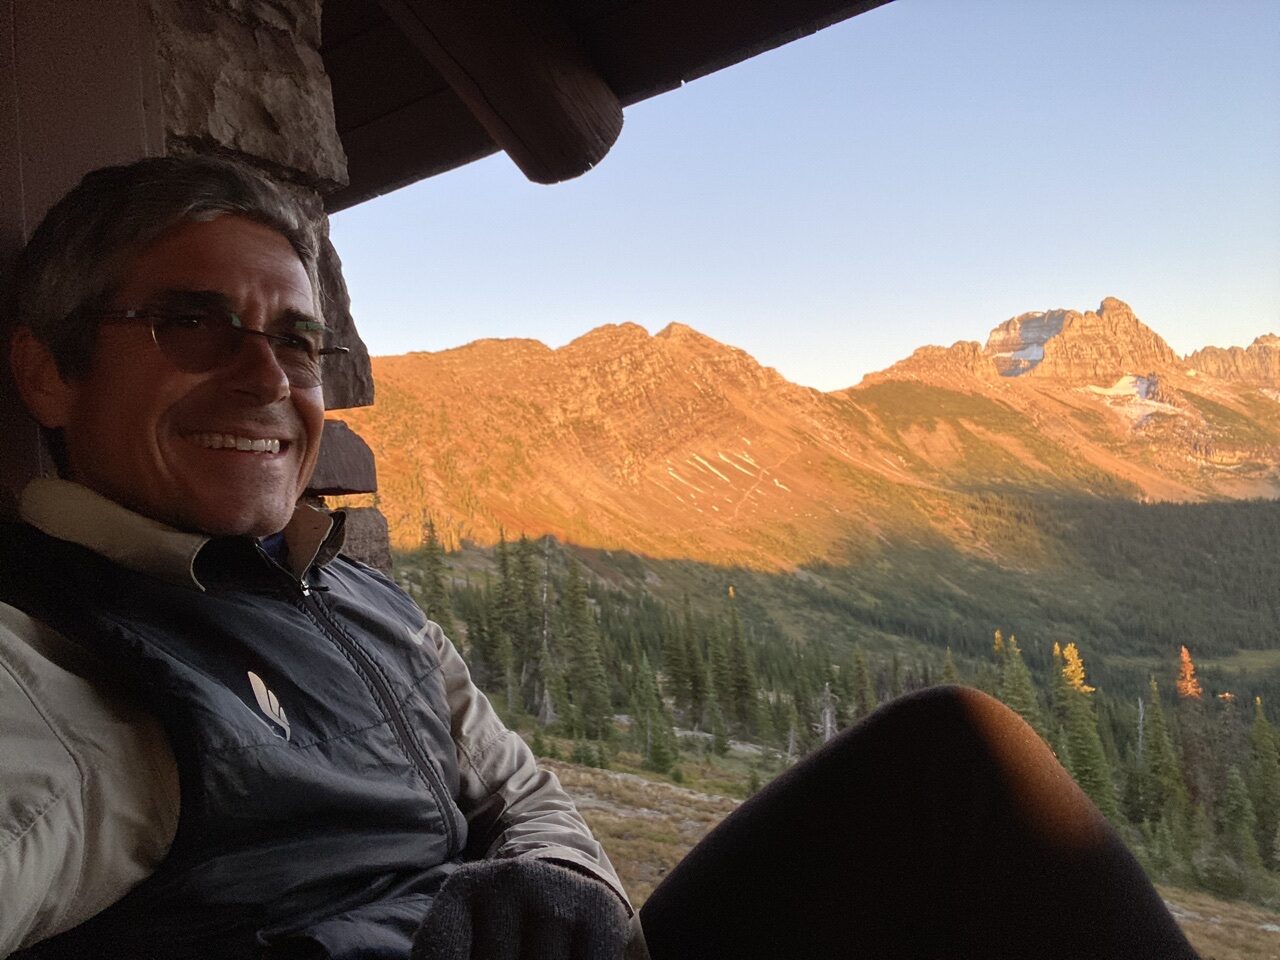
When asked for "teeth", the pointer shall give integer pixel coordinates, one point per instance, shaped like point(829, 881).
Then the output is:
point(227, 441)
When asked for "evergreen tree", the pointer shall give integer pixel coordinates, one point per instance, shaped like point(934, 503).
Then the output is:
point(527, 623)
point(1089, 763)
point(1016, 688)
point(895, 677)
point(1264, 779)
point(651, 725)
point(720, 667)
point(719, 732)
point(1238, 821)
point(864, 694)
point(742, 677)
point(675, 665)
point(435, 593)
point(1198, 762)
point(586, 682)
point(1163, 794)
point(1060, 694)
point(949, 674)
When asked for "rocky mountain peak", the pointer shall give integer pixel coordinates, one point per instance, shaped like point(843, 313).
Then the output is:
point(1258, 364)
point(1091, 347)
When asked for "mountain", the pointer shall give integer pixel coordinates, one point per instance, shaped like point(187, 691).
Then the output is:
point(1259, 363)
point(677, 446)
point(1079, 348)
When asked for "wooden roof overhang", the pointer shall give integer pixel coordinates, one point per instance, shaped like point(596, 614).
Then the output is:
point(423, 86)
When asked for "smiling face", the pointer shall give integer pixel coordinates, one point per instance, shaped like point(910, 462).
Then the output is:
point(170, 444)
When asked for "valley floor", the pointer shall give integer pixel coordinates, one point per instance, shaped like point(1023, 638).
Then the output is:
point(648, 825)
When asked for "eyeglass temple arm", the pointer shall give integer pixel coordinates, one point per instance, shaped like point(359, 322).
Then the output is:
point(330, 351)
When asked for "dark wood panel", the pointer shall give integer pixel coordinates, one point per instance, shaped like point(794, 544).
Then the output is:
point(418, 141)
point(376, 73)
point(644, 49)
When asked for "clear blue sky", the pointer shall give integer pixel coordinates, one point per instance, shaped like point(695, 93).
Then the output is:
point(913, 175)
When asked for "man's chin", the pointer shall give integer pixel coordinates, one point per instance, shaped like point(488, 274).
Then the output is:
point(260, 521)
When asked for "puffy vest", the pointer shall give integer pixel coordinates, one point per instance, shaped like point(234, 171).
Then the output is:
point(312, 740)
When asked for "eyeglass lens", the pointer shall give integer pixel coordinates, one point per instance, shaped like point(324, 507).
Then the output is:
point(197, 344)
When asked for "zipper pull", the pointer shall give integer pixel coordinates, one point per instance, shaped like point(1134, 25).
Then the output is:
point(306, 587)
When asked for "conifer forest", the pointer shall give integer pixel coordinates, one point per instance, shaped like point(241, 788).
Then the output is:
point(592, 654)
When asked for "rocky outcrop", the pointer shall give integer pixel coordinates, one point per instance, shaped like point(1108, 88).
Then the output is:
point(1080, 348)
point(1017, 345)
point(953, 365)
point(1257, 364)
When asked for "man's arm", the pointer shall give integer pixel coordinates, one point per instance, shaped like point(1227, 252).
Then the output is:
point(516, 809)
point(89, 787)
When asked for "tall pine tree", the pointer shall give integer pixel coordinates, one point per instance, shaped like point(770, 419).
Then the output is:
point(1016, 688)
point(1088, 761)
point(1264, 780)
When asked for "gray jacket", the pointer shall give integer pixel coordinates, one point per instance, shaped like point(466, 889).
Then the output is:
point(89, 782)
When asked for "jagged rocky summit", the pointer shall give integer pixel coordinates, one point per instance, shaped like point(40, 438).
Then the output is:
point(1259, 363)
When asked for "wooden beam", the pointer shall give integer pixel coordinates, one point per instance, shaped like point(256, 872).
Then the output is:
point(522, 75)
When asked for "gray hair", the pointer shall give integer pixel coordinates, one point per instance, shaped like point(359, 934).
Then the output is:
point(73, 261)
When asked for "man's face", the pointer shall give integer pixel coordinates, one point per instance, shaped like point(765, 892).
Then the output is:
point(141, 432)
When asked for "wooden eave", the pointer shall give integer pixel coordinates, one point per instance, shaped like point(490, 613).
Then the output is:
point(423, 86)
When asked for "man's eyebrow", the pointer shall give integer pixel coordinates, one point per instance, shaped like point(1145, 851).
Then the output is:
point(212, 299)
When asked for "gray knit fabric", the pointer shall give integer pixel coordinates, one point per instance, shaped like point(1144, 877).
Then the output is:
point(522, 910)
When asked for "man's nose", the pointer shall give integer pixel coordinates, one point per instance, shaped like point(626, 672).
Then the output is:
point(257, 371)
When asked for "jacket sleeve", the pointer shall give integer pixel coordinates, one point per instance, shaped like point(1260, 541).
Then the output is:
point(513, 808)
point(89, 787)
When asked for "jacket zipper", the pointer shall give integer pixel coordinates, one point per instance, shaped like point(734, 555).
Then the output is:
point(404, 732)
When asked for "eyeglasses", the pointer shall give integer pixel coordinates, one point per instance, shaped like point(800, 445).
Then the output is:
point(197, 341)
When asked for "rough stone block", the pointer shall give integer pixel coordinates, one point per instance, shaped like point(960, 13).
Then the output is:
point(367, 537)
point(246, 76)
point(348, 377)
point(345, 464)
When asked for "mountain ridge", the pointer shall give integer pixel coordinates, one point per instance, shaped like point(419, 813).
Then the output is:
point(676, 445)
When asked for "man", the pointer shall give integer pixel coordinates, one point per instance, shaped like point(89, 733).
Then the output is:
point(220, 736)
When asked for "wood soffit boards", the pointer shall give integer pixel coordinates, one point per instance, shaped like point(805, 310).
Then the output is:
point(423, 86)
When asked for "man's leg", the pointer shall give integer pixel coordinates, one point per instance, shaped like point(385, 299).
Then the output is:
point(941, 826)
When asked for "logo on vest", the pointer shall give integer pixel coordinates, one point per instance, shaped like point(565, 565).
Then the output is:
point(268, 703)
point(419, 636)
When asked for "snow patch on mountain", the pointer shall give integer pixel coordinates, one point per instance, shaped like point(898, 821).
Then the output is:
point(1132, 398)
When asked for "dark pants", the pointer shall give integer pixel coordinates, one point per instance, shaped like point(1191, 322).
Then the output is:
point(940, 826)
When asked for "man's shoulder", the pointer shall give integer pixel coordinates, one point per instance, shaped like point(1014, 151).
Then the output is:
point(82, 770)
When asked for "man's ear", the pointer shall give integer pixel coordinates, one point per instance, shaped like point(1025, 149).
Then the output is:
point(40, 384)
